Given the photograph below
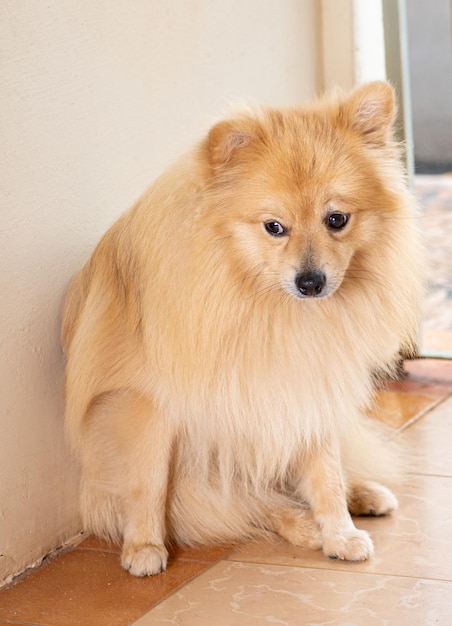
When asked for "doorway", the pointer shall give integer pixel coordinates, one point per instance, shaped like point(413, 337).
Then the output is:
point(419, 64)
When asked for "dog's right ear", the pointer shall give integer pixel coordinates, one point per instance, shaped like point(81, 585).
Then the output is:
point(228, 139)
point(371, 110)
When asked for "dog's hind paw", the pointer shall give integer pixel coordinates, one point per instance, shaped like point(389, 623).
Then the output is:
point(305, 534)
point(352, 545)
point(297, 526)
point(371, 499)
point(144, 559)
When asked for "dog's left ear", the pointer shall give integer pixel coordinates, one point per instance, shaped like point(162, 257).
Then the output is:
point(227, 141)
point(371, 110)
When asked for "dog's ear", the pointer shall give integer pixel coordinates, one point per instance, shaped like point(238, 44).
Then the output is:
point(228, 139)
point(371, 110)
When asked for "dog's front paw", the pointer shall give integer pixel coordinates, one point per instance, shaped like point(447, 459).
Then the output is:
point(351, 545)
point(144, 559)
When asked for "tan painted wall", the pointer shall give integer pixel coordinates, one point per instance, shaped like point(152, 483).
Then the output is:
point(96, 97)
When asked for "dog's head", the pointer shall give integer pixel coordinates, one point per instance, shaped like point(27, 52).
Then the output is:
point(302, 193)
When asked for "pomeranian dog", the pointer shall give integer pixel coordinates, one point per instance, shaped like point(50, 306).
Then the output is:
point(223, 339)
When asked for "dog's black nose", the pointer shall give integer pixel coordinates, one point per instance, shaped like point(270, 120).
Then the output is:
point(310, 283)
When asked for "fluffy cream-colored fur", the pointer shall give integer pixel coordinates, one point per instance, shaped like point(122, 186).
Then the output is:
point(208, 398)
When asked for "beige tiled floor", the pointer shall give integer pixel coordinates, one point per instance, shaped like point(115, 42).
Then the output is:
point(434, 195)
point(240, 593)
point(409, 580)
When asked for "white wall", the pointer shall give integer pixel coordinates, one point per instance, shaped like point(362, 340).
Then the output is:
point(96, 97)
point(352, 42)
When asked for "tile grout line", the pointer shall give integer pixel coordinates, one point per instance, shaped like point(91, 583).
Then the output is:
point(14, 623)
point(21, 623)
point(328, 569)
point(174, 591)
point(431, 407)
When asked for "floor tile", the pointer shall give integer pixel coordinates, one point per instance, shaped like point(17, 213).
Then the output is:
point(435, 198)
point(398, 408)
point(430, 376)
point(88, 587)
point(430, 439)
point(242, 594)
point(415, 541)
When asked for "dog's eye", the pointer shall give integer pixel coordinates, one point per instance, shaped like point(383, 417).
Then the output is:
point(337, 221)
point(275, 229)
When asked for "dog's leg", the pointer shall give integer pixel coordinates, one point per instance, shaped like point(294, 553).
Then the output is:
point(323, 486)
point(147, 462)
point(296, 525)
